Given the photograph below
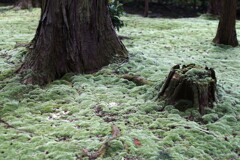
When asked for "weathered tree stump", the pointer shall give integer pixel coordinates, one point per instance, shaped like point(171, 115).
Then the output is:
point(189, 86)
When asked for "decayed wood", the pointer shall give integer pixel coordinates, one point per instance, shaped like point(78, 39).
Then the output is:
point(189, 86)
point(139, 81)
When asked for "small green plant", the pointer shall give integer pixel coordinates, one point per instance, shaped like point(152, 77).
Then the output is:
point(116, 11)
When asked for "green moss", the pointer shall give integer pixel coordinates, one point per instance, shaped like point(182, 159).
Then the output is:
point(5, 74)
point(210, 117)
point(62, 118)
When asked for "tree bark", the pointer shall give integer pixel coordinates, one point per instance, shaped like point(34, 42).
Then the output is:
point(27, 4)
point(189, 86)
point(146, 10)
point(72, 36)
point(214, 7)
point(226, 33)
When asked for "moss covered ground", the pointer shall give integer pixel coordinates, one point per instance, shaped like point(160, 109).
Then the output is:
point(76, 112)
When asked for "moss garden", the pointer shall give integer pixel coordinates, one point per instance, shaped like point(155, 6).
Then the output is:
point(75, 114)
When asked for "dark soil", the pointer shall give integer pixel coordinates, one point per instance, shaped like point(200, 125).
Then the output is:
point(164, 10)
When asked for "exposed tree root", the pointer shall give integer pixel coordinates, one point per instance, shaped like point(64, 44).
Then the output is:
point(26, 44)
point(102, 150)
point(139, 81)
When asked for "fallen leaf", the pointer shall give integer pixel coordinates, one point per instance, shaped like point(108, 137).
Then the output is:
point(137, 142)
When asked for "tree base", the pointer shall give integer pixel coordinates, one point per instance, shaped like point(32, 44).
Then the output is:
point(189, 86)
point(72, 37)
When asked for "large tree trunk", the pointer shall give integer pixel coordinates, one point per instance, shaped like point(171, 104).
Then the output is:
point(226, 33)
point(27, 4)
point(214, 7)
point(72, 36)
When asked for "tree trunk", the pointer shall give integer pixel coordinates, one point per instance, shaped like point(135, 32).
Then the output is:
point(146, 10)
point(72, 36)
point(214, 7)
point(190, 86)
point(226, 33)
point(204, 5)
point(27, 4)
point(195, 4)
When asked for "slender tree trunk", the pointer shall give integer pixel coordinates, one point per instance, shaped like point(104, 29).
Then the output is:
point(226, 33)
point(72, 36)
point(203, 5)
point(27, 4)
point(146, 10)
point(214, 7)
point(195, 4)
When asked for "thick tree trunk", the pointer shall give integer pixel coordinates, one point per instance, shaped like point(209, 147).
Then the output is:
point(214, 7)
point(190, 86)
point(72, 36)
point(226, 33)
point(27, 4)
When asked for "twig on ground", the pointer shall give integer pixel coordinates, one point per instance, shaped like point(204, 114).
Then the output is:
point(101, 151)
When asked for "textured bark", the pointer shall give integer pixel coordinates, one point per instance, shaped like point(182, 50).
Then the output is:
point(190, 86)
point(226, 33)
point(27, 4)
point(72, 36)
point(214, 7)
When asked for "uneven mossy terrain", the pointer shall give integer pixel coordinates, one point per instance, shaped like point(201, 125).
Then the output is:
point(61, 119)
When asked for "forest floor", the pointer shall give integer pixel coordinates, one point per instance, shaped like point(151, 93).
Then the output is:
point(76, 113)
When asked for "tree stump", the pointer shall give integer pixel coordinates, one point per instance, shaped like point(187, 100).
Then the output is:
point(189, 86)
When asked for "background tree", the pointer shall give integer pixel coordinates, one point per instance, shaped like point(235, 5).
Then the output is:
point(226, 32)
point(72, 36)
point(27, 4)
point(146, 9)
point(214, 7)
